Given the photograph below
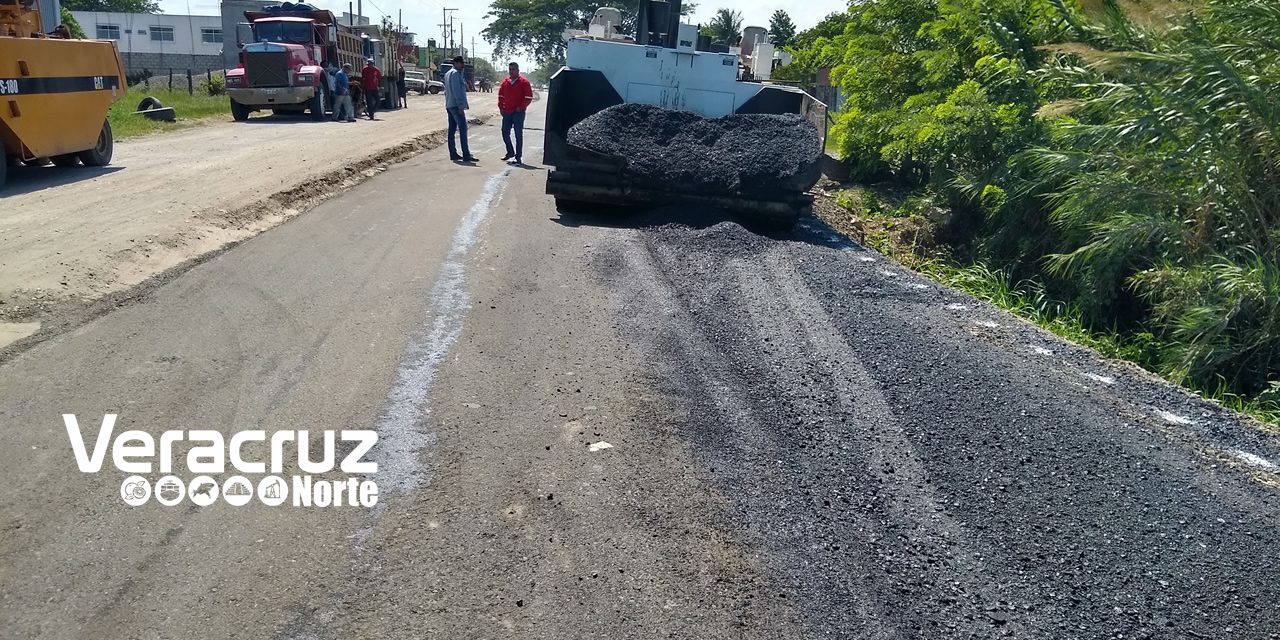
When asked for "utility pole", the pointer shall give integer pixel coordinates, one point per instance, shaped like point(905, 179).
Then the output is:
point(446, 28)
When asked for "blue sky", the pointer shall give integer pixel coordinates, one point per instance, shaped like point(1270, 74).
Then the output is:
point(423, 18)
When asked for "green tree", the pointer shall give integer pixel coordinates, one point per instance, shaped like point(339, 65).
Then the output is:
point(120, 6)
point(486, 70)
point(1123, 165)
point(535, 27)
point(73, 25)
point(782, 30)
point(815, 49)
point(830, 27)
point(541, 76)
point(725, 26)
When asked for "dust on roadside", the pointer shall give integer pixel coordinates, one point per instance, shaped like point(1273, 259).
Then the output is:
point(57, 311)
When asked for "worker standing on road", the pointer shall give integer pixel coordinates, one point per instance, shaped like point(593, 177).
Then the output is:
point(402, 89)
point(342, 90)
point(514, 97)
point(455, 104)
point(371, 84)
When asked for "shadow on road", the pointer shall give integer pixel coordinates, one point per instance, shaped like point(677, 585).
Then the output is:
point(30, 179)
point(809, 229)
point(284, 118)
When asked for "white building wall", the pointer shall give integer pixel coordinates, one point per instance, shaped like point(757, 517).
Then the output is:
point(135, 32)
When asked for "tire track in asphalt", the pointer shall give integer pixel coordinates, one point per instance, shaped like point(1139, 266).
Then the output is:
point(907, 464)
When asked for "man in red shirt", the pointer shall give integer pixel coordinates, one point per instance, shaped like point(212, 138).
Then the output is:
point(371, 83)
point(514, 97)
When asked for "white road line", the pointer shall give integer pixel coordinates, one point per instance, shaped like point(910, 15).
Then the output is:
point(399, 428)
point(1173, 418)
point(1253, 460)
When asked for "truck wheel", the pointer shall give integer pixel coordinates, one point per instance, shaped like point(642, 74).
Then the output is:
point(433, 90)
point(100, 155)
point(239, 112)
point(36, 162)
point(66, 160)
point(316, 106)
point(4, 167)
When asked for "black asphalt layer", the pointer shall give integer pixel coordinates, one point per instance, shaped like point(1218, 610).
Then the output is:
point(917, 465)
point(666, 149)
point(616, 428)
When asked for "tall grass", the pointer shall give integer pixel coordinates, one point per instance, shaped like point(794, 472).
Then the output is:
point(1028, 300)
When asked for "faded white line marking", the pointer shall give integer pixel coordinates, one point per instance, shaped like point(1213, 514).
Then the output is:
point(599, 446)
point(886, 272)
point(399, 428)
point(1253, 460)
point(988, 324)
point(1173, 418)
point(1097, 378)
point(1043, 351)
point(866, 259)
point(956, 306)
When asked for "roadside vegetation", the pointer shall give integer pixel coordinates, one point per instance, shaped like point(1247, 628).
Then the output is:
point(190, 110)
point(1110, 170)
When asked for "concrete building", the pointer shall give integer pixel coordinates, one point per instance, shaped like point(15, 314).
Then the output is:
point(158, 42)
point(347, 18)
point(234, 31)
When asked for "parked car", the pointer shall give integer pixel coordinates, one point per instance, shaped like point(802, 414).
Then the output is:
point(417, 81)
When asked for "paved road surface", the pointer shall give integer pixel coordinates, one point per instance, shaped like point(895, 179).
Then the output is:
point(84, 233)
point(807, 442)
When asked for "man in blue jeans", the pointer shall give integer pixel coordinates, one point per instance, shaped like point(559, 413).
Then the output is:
point(455, 103)
point(514, 97)
point(343, 109)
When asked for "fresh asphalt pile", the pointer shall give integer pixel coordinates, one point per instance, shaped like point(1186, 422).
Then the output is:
point(914, 464)
point(679, 150)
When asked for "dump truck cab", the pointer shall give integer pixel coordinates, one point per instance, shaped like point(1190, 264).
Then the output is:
point(285, 68)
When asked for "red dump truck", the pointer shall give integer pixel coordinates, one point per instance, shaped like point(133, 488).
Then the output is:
point(285, 69)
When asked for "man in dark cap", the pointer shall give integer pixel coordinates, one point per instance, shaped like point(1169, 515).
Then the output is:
point(455, 104)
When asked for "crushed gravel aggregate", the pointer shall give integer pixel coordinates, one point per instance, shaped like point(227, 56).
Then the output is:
point(747, 153)
point(912, 473)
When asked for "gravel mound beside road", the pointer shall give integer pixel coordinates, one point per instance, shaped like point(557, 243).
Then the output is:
point(749, 153)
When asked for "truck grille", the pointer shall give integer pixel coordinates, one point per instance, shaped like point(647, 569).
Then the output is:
point(267, 68)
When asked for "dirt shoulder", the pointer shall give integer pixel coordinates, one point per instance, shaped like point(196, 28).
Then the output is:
point(69, 237)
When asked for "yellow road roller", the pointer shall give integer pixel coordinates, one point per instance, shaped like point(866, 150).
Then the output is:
point(54, 91)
